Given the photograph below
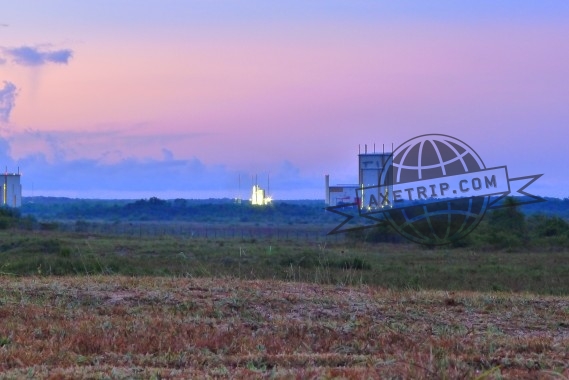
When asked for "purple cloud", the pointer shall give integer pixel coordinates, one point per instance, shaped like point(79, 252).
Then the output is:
point(33, 56)
point(55, 169)
point(7, 100)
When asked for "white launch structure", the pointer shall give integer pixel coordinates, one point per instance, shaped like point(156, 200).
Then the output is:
point(11, 190)
point(258, 196)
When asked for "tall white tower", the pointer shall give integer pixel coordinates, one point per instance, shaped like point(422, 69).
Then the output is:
point(11, 190)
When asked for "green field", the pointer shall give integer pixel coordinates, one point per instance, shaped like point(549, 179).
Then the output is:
point(393, 266)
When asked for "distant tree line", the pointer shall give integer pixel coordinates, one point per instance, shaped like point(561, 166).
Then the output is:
point(155, 209)
point(542, 224)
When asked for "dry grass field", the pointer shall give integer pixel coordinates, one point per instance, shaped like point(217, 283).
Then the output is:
point(164, 327)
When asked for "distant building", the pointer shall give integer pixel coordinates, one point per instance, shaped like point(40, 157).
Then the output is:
point(258, 196)
point(339, 194)
point(371, 166)
point(11, 190)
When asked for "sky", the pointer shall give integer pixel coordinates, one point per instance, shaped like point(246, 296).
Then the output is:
point(201, 98)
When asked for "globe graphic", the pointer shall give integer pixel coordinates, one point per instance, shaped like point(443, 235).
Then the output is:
point(434, 157)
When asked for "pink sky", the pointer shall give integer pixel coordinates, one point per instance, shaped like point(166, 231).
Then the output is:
point(287, 91)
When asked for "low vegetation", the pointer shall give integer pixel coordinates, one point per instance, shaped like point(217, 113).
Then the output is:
point(395, 266)
point(80, 303)
point(157, 327)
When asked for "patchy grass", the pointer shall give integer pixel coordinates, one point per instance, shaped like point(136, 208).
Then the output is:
point(164, 327)
point(395, 266)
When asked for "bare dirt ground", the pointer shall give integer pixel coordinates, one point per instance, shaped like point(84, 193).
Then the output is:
point(148, 327)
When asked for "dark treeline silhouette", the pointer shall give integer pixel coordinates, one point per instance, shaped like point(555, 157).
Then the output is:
point(542, 224)
point(155, 209)
point(220, 209)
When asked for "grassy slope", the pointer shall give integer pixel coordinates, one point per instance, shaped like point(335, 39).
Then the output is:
point(124, 327)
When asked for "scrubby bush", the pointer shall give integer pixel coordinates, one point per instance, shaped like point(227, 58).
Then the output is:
point(8, 217)
point(304, 259)
point(548, 226)
point(355, 263)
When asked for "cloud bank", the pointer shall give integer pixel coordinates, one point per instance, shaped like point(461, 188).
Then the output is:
point(35, 56)
point(164, 178)
point(7, 100)
point(52, 170)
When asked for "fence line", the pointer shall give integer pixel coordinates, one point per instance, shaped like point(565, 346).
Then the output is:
point(202, 232)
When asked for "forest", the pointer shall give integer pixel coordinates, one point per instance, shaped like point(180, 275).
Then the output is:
point(219, 210)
